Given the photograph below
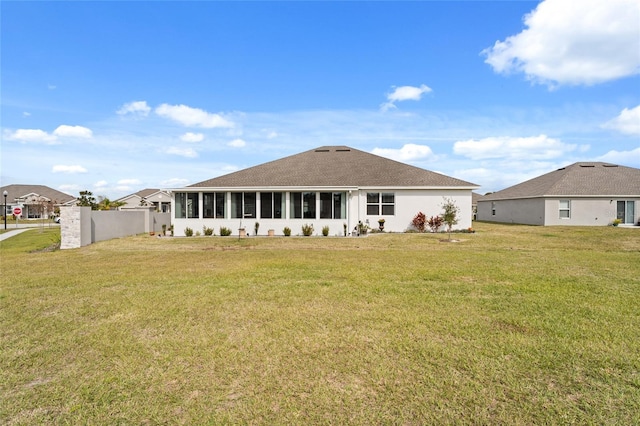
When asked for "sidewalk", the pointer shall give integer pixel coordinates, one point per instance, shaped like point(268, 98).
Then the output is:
point(13, 232)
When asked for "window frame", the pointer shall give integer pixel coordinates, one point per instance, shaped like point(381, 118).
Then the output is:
point(381, 204)
point(564, 209)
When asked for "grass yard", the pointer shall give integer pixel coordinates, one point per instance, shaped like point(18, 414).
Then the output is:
point(512, 325)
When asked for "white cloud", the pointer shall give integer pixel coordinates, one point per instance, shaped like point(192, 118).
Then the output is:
point(26, 114)
point(174, 183)
point(101, 184)
point(566, 43)
point(60, 168)
point(138, 108)
point(30, 135)
point(192, 137)
point(192, 117)
point(631, 158)
point(515, 148)
point(70, 188)
point(408, 152)
point(129, 182)
point(404, 93)
point(73, 132)
point(183, 152)
point(237, 143)
point(628, 122)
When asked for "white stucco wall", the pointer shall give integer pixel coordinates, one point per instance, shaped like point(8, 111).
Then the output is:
point(408, 202)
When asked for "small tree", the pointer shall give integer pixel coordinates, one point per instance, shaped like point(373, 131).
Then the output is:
point(450, 215)
point(86, 199)
point(419, 221)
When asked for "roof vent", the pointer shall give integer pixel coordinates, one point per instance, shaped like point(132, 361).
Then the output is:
point(587, 165)
point(609, 165)
point(343, 150)
point(322, 150)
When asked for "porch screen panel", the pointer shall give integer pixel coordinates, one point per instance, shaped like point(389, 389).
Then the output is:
point(339, 205)
point(221, 202)
point(192, 205)
point(296, 205)
point(208, 205)
point(309, 205)
point(181, 205)
point(325, 205)
point(266, 205)
point(236, 205)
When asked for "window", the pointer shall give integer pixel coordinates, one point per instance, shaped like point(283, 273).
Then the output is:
point(332, 205)
point(213, 205)
point(565, 209)
point(296, 205)
point(309, 205)
point(243, 205)
point(271, 205)
point(381, 203)
point(625, 211)
point(187, 205)
point(373, 203)
point(303, 205)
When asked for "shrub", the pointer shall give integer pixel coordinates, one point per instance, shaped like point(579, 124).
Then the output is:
point(419, 221)
point(307, 230)
point(224, 231)
point(286, 231)
point(207, 231)
point(256, 227)
point(435, 222)
point(325, 230)
point(188, 232)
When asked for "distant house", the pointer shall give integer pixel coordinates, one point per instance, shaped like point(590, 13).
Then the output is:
point(586, 193)
point(474, 203)
point(334, 186)
point(36, 201)
point(148, 197)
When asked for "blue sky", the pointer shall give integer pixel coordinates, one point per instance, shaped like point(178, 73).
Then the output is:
point(114, 97)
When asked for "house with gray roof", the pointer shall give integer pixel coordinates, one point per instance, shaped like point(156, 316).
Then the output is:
point(584, 193)
point(334, 186)
point(36, 201)
point(147, 197)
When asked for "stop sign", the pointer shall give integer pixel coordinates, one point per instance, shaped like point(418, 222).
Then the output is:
point(17, 211)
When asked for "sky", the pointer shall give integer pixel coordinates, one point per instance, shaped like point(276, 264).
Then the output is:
point(115, 97)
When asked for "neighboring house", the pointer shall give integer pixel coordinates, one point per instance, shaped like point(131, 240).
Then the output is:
point(36, 201)
point(148, 197)
point(588, 193)
point(334, 186)
point(474, 203)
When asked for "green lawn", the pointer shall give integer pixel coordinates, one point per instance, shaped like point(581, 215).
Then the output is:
point(511, 325)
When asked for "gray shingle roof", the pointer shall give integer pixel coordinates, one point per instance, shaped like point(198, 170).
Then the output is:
point(578, 179)
point(18, 191)
point(334, 166)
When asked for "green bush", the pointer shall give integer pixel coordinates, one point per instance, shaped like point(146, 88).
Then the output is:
point(286, 231)
point(224, 231)
point(325, 230)
point(188, 232)
point(207, 231)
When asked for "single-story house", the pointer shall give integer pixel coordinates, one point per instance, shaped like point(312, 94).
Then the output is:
point(158, 198)
point(585, 193)
point(334, 186)
point(474, 203)
point(36, 201)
